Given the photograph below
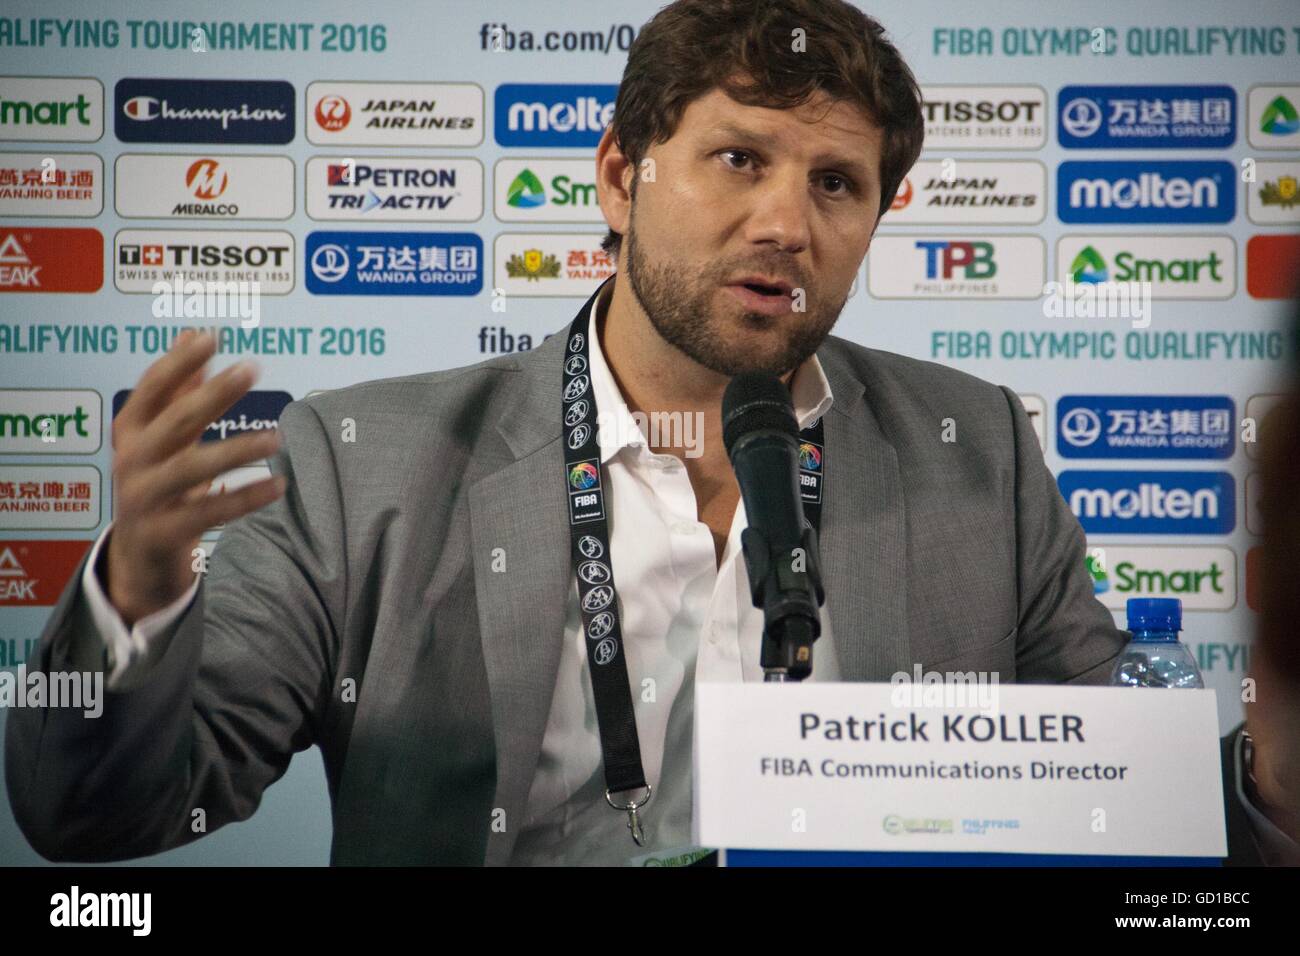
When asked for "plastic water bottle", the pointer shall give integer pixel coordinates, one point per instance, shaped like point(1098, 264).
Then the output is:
point(1155, 657)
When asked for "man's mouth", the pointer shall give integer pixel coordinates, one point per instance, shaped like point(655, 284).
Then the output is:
point(764, 285)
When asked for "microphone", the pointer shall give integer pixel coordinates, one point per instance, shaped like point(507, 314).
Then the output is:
point(761, 436)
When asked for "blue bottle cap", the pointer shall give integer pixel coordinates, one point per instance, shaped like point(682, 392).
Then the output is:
point(1155, 614)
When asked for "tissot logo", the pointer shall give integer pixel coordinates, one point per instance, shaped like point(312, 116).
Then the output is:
point(984, 117)
point(204, 111)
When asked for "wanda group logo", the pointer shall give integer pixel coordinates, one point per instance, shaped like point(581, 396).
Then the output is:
point(333, 113)
point(206, 179)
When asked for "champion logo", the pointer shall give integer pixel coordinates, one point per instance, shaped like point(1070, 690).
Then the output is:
point(590, 547)
point(594, 572)
point(576, 412)
point(576, 388)
point(598, 599)
point(601, 625)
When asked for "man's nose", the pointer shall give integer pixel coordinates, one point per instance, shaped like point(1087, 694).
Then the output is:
point(780, 211)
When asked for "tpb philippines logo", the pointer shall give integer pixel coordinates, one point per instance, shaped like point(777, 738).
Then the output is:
point(1170, 191)
point(1145, 426)
point(203, 111)
point(553, 114)
point(394, 263)
point(1147, 117)
point(1151, 502)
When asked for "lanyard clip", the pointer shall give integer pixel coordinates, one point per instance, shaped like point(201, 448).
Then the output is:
point(633, 820)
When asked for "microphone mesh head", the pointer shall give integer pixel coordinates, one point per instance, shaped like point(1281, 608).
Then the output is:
point(756, 401)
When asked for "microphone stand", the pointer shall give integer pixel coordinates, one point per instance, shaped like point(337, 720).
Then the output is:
point(787, 584)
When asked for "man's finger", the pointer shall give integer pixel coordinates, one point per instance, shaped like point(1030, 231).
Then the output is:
point(188, 354)
point(174, 477)
point(183, 421)
point(226, 506)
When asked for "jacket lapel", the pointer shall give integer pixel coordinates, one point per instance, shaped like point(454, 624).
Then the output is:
point(521, 509)
point(864, 542)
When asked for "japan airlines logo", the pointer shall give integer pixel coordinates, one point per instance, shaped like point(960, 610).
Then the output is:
point(206, 179)
point(333, 113)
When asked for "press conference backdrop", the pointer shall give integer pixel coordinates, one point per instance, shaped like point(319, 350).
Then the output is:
point(412, 187)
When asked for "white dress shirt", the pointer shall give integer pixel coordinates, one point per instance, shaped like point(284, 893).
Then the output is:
point(685, 620)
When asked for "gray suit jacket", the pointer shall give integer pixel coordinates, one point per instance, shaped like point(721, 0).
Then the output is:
point(374, 573)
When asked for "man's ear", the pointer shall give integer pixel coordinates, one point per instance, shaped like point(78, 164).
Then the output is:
point(613, 182)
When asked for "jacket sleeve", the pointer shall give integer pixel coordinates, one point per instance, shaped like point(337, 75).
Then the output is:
point(1065, 634)
point(240, 685)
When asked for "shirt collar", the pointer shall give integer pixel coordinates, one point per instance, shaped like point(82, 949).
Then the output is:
point(810, 391)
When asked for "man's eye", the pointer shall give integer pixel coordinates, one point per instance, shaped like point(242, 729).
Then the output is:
point(847, 184)
point(735, 152)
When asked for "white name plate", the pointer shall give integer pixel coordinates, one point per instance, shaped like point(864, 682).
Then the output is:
point(1046, 769)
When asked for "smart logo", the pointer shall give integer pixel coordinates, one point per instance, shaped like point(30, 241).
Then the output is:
point(1145, 426)
point(1170, 191)
point(1280, 118)
point(1151, 502)
point(553, 114)
point(1175, 267)
point(1147, 117)
point(525, 191)
point(1089, 266)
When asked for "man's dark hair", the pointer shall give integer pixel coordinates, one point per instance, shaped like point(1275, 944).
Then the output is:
point(748, 49)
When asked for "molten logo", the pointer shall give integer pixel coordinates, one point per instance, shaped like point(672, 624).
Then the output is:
point(206, 179)
point(333, 113)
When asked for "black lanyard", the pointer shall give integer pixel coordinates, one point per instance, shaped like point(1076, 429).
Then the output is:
point(593, 563)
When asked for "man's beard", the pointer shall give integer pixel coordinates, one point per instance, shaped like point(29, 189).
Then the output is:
point(681, 309)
